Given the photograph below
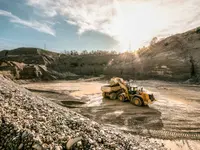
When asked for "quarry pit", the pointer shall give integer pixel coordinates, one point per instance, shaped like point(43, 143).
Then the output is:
point(173, 117)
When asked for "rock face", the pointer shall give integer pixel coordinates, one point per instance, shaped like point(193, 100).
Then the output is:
point(30, 72)
point(32, 122)
point(12, 68)
point(173, 58)
point(178, 55)
point(30, 63)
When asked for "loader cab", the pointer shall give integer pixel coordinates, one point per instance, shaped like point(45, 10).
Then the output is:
point(133, 90)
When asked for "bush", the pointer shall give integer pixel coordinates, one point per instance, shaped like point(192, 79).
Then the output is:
point(74, 64)
point(166, 44)
point(198, 30)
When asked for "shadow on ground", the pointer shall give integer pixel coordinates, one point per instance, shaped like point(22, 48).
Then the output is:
point(121, 114)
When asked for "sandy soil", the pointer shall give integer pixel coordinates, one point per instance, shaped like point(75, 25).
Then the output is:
point(173, 118)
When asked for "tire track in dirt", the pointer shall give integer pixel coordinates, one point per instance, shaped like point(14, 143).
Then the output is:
point(166, 118)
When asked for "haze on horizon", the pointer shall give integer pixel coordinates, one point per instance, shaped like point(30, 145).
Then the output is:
point(88, 24)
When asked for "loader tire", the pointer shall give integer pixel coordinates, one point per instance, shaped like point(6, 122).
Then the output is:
point(113, 96)
point(121, 97)
point(104, 95)
point(136, 101)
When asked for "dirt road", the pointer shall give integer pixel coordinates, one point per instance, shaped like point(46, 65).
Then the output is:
point(174, 116)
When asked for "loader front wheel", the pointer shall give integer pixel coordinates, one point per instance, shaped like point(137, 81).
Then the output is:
point(113, 96)
point(121, 97)
point(136, 101)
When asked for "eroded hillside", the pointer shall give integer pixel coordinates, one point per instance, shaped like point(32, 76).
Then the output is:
point(173, 58)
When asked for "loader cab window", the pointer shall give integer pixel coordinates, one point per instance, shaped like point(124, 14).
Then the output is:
point(133, 90)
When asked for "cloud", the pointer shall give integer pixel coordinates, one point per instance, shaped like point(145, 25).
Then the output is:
point(86, 14)
point(135, 21)
point(51, 22)
point(71, 22)
point(41, 27)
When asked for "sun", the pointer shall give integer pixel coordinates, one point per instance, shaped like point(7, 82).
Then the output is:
point(136, 23)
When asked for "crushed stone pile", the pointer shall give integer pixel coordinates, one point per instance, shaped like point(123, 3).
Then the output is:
point(32, 122)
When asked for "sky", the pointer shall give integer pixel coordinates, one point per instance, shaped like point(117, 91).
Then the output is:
point(121, 25)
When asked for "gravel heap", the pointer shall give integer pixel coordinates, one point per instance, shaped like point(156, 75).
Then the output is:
point(32, 122)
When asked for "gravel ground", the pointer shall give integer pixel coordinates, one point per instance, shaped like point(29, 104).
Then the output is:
point(32, 122)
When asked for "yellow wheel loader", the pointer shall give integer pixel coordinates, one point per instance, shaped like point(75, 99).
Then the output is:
point(119, 89)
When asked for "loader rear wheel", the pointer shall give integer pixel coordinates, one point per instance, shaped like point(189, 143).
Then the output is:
point(113, 96)
point(121, 97)
point(136, 101)
point(104, 95)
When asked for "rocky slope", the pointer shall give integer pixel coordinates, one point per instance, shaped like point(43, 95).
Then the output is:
point(32, 122)
point(177, 57)
point(173, 58)
point(30, 63)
